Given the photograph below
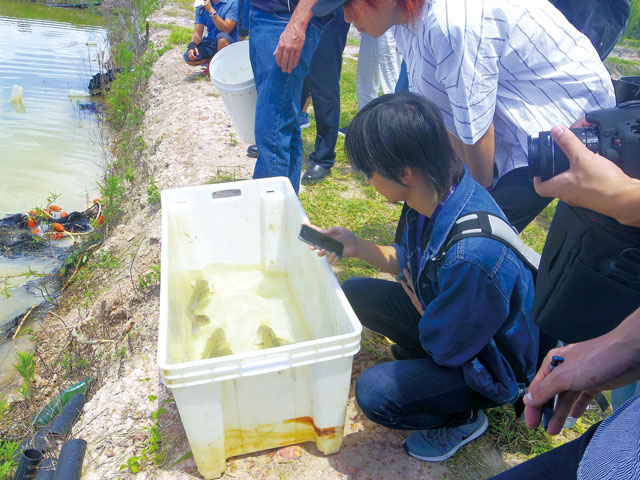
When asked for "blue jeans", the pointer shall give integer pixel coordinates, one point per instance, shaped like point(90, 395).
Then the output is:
point(208, 47)
point(277, 129)
point(411, 394)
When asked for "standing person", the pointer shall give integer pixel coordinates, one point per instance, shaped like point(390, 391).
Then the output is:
point(498, 71)
point(378, 66)
point(323, 84)
point(221, 20)
point(460, 317)
point(284, 37)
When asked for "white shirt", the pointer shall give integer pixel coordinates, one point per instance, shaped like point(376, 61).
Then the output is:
point(518, 63)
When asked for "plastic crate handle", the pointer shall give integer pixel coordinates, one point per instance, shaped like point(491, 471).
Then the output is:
point(273, 363)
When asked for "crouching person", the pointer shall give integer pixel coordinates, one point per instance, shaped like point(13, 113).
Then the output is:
point(460, 316)
point(221, 19)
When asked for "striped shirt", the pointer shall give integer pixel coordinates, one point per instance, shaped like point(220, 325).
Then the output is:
point(518, 63)
point(613, 452)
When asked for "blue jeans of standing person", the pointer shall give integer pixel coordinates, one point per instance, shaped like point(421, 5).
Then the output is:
point(323, 84)
point(414, 393)
point(277, 129)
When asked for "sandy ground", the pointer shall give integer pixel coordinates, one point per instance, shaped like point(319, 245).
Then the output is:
point(188, 133)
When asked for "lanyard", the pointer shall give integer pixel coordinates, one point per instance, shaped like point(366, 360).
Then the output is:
point(422, 233)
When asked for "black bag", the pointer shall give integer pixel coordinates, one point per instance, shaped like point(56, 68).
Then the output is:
point(589, 277)
point(602, 21)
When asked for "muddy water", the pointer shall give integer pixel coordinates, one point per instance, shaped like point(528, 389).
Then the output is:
point(49, 145)
point(236, 299)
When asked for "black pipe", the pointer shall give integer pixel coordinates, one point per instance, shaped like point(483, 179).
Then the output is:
point(62, 424)
point(70, 460)
point(29, 460)
point(46, 469)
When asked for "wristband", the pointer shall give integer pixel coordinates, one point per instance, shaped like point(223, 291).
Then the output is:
point(192, 46)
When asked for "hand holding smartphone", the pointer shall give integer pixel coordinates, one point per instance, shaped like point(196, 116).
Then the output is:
point(320, 240)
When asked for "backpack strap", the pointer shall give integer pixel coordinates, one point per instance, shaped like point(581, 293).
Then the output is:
point(486, 224)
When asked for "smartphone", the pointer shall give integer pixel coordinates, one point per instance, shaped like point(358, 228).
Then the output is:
point(320, 240)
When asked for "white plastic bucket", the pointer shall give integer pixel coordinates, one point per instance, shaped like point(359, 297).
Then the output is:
point(261, 398)
point(231, 74)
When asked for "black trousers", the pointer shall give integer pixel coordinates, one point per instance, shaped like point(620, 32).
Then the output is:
point(515, 195)
point(323, 84)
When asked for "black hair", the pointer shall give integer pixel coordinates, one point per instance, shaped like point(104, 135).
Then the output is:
point(403, 130)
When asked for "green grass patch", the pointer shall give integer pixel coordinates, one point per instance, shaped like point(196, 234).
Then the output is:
point(179, 35)
point(536, 232)
point(354, 42)
point(622, 66)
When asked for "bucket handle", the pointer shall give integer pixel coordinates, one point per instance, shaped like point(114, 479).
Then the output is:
point(231, 192)
point(261, 366)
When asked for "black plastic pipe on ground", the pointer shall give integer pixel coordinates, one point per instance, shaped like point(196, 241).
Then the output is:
point(46, 470)
point(29, 460)
point(62, 424)
point(70, 460)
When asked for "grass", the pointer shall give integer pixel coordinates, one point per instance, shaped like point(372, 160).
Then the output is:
point(622, 67)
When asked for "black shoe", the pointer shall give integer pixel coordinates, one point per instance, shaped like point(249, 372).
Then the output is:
point(314, 174)
point(252, 151)
point(342, 131)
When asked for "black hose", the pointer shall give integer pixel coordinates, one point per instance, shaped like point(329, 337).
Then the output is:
point(62, 424)
point(70, 459)
point(29, 460)
point(46, 470)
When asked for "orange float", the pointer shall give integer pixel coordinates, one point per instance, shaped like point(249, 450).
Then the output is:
point(58, 227)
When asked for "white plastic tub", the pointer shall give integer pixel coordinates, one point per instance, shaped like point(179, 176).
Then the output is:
point(231, 74)
point(258, 398)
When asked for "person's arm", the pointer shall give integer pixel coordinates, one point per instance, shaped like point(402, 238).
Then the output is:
point(592, 182)
point(196, 39)
point(292, 39)
point(381, 256)
point(603, 363)
point(479, 157)
point(221, 24)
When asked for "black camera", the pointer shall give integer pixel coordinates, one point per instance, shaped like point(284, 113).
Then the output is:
point(616, 136)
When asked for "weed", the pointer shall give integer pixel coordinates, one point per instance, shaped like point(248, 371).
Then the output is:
point(8, 455)
point(153, 194)
point(222, 177)
point(179, 35)
point(153, 451)
point(232, 139)
point(108, 261)
point(133, 464)
point(150, 278)
point(26, 367)
point(122, 352)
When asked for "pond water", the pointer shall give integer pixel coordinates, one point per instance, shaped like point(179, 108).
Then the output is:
point(49, 145)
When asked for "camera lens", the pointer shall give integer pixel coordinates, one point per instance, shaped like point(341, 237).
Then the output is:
point(534, 156)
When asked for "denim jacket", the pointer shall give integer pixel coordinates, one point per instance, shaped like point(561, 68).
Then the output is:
point(479, 292)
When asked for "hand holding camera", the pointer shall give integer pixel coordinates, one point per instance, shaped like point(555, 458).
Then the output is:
point(579, 176)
